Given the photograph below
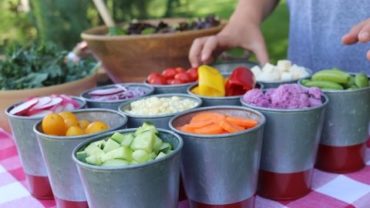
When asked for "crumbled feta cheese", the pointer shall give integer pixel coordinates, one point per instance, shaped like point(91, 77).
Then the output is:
point(154, 106)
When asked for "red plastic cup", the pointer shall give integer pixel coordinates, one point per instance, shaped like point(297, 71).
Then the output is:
point(341, 159)
point(284, 186)
point(70, 204)
point(39, 187)
point(248, 203)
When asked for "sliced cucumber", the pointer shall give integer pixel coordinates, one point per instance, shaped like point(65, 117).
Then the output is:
point(111, 145)
point(144, 141)
point(117, 137)
point(115, 162)
point(141, 156)
point(127, 139)
point(123, 152)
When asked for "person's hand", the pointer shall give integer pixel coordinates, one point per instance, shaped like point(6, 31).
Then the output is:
point(205, 49)
point(359, 33)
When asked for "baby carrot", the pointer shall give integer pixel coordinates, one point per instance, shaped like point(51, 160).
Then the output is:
point(210, 129)
point(243, 122)
point(229, 127)
point(207, 116)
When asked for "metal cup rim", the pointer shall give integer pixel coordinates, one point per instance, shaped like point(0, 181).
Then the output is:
point(129, 167)
point(84, 94)
point(183, 95)
point(37, 125)
point(170, 85)
point(216, 98)
point(79, 99)
point(218, 136)
point(281, 110)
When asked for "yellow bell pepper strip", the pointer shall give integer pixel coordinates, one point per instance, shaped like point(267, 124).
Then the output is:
point(210, 82)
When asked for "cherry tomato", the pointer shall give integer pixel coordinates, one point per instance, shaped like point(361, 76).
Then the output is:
point(179, 69)
point(156, 78)
point(183, 77)
point(75, 131)
point(169, 73)
point(96, 126)
point(193, 72)
point(53, 124)
point(174, 81)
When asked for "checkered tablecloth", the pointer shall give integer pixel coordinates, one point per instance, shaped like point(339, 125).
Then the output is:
point(329, 190)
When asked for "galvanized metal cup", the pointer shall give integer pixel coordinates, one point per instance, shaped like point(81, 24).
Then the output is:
point(221, 170)
point(160, 121)
point(91, 103)
point(175, 88)
point(148, 185)
point(343, 142)
point(57, 150)
point(216, 101)
point(290, 144)
point(29, 151)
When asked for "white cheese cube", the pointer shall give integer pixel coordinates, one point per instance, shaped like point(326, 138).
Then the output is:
point(284, 65)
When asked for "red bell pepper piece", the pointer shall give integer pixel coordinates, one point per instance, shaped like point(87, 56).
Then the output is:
point(240, 81)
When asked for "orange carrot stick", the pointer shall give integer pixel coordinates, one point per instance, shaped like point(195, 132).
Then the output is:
point(230, 127)
point(207, 116)
point(243, 122)
point(210, 129)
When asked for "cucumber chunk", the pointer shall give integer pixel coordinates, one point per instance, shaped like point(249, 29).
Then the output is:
point(111, 145)
point(117, 137)
point(141, 156)
point(127, 139)
point(144, 141)
point(123, 152)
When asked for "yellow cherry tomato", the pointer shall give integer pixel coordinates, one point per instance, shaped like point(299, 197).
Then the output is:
point(53, 124)
point(96, 126)
point(83, 123)
point(70, 119)
point(75, 131)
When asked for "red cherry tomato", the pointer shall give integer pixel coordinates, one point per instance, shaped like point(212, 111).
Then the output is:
point(156, 78)
point(193, 72)
point(169, 73)
point(183, 77)
point(179, 69)
point(174, 81)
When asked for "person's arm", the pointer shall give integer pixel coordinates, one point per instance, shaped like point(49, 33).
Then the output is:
point(242, 30)
point(359, 33)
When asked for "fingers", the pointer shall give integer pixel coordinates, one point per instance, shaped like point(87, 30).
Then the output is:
point(209, 47)
point(364, 34)
point(368, 55)
point(259, 48)
point(353, 35)
point(202, 50)
point(195, 51)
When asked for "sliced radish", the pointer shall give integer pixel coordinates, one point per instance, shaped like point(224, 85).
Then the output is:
point(19, 109)
point(109, 91)
point(54, 101)
point(42, 101)
point(69, 107)
point(67, 100)
point(42, 113)
point(57, 108)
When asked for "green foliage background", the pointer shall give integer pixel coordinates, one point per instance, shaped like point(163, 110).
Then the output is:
point(61, 21)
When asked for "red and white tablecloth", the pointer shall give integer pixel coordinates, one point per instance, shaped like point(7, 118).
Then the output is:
point(329, 190)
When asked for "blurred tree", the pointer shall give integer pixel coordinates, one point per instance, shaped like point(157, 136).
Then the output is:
point(60, 21)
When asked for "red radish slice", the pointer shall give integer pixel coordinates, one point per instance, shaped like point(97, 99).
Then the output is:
point(69, 107)
point(57, 108)
point(22, 108)
point(54, 101)
point(42, 113)
point(42, 101)
point(69, 100)
point(109, 91)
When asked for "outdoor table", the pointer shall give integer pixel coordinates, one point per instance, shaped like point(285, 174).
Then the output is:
point(329, 190)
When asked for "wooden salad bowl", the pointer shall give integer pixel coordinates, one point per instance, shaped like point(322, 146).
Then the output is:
point(133, 57)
